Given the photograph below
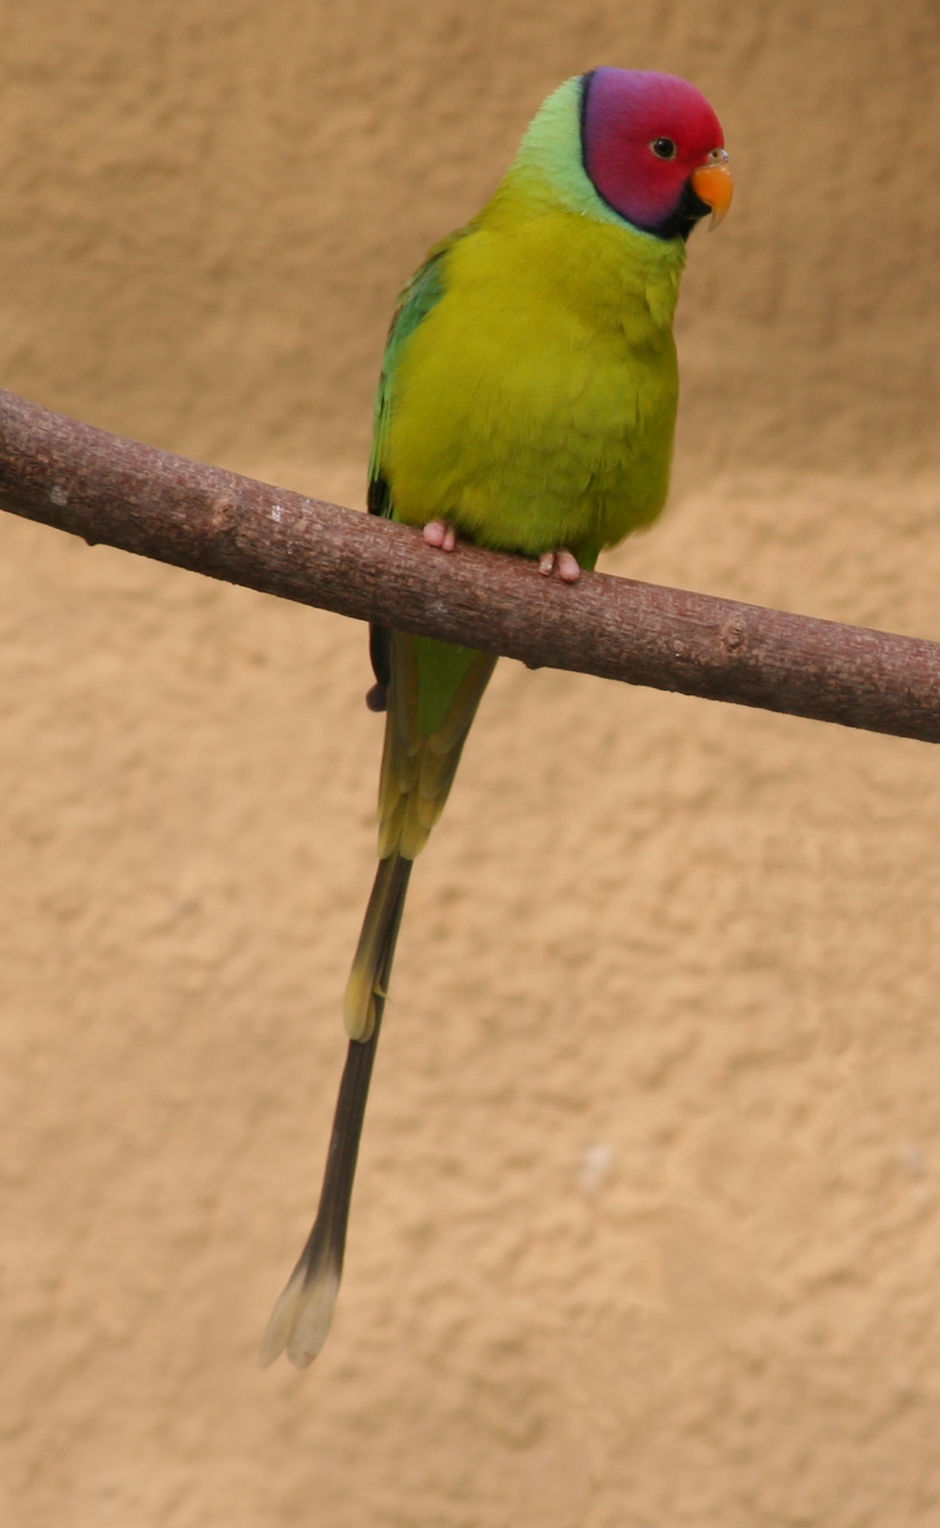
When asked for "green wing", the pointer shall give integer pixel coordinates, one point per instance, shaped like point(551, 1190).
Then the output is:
point(423, 292)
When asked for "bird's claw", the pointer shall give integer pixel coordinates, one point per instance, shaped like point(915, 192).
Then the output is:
point(560, 564)
point(440, 533)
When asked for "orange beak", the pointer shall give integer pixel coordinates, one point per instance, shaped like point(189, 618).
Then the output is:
point(714, 184)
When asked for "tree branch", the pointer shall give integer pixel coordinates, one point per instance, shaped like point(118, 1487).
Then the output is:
point(108, 489)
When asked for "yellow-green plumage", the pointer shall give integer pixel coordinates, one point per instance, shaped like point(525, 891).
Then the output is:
point(554, 338)
point(527, 398)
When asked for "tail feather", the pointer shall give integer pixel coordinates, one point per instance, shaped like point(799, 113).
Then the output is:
point(302, 1315)
point(419, 761)
point(368, 978)
point(433, 693)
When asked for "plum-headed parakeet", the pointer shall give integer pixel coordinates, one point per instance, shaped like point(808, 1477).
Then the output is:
point(527, 402)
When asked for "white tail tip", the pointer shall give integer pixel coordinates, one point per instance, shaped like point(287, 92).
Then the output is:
point(301, 1318)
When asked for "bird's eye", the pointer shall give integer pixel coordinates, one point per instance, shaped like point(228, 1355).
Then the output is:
point(664, 148)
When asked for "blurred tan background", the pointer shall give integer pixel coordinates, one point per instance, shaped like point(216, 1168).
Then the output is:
point(646, 1231)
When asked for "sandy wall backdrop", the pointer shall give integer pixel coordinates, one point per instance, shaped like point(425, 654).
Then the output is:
point(647, 1229)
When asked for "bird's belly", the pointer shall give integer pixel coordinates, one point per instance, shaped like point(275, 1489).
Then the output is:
point(545, 439)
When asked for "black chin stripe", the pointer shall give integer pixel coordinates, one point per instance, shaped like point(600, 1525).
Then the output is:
point(582, 117)
point(679, 224)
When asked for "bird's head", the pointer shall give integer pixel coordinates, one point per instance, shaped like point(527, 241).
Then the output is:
point(629, 146)
point(653, 150)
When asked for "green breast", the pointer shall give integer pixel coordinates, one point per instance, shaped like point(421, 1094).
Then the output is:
point(534, 405)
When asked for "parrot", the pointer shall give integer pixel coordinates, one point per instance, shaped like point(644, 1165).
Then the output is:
point(527, 403)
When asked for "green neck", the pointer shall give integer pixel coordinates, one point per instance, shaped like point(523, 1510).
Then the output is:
point(548, 176)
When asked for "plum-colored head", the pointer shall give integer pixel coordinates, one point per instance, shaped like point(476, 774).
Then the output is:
point(654, 150)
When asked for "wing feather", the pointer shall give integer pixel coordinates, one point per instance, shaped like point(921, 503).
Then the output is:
point(422, 294)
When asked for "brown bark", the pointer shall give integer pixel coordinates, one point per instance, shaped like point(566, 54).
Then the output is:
point(108, 489)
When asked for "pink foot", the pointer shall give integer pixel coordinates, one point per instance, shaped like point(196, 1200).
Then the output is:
point(440, 534)
point(563, 564)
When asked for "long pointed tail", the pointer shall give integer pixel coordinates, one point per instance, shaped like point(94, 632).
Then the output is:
point(433, 692)
point(301, 1318)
